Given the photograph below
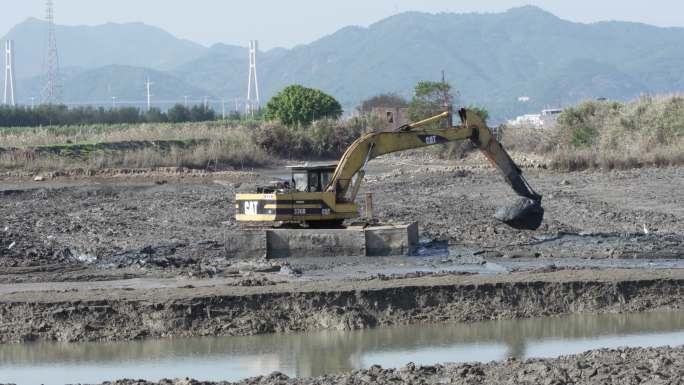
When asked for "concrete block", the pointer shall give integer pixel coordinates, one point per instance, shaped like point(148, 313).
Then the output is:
point(246, 243)
point(352, 241)
point(284, 243)
point(391, 240)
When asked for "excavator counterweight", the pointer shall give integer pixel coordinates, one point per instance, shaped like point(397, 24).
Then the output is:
point(324, 195)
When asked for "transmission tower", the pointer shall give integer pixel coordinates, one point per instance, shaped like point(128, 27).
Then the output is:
point(9, 74)
point(52, 91)
point(148, 87)
point(252, 105)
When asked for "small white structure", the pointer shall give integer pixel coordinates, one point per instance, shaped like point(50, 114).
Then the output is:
point(547, 119)
point(526, 121)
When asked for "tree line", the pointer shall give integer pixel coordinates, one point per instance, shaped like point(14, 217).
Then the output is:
point(295, 106)
point(61, 115)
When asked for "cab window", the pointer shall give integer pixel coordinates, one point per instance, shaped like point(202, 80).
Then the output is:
point(314, 181)
point(325, 178)
point(300, 181)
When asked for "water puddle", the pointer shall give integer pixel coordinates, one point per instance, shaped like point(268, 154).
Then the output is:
point(312, 354)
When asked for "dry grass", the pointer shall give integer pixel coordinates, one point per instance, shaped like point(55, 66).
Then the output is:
point(648, 132)
point(224, 146)
point(591, 159)
point(212, 156)
point(48, 136)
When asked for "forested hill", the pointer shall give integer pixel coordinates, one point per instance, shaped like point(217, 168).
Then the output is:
point(492, 59)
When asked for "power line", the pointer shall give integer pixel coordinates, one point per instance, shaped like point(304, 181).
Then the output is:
point(206, 101)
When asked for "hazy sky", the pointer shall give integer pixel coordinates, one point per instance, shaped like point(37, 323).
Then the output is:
point(286, 23)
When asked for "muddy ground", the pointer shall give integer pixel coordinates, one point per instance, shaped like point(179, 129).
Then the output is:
point(622, 366)
point(144, 254)
point(172, 221)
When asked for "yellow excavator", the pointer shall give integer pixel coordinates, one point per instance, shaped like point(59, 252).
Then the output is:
point(323, 196)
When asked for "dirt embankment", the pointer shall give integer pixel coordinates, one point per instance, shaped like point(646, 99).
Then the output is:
point(621, 366)
point(223, 310)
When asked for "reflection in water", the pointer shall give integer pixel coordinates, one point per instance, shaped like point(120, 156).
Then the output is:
point(231, 358)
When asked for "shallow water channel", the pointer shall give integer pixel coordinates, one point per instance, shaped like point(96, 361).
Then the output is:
point(312, 354)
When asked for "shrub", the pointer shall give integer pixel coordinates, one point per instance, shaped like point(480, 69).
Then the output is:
point(607, 134)
point(324, 138)
point(299, 106)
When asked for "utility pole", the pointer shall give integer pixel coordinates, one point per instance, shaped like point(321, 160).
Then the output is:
point(52, 90)
point(253, 104)
point(148, 86)
point(448, 106)
point(223, 108)
point(9, 74)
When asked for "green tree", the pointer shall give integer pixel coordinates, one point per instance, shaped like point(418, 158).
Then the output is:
point(201, 113)
point(428, 99)
point(178, 113)
point(154, 115)
point(299, 106)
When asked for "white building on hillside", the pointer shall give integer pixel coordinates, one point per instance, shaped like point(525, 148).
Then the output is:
point(547, 119)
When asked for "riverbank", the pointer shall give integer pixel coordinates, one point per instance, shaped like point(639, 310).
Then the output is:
point(267, 306)
point(605, 366)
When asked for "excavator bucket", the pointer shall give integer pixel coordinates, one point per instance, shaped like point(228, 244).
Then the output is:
point(523, 214)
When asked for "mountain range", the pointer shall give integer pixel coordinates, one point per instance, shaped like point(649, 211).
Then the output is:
point(491, 59)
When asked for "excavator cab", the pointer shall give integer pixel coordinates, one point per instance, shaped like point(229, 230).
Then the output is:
point(302, 199)
point(312, 178)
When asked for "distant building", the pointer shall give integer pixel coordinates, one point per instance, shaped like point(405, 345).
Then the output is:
point(526, 121)
point(393, 117)
point(547, 119)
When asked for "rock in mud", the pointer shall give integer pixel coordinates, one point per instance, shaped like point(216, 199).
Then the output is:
point(522, 214)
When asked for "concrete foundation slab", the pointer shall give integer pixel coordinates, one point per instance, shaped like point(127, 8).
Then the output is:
point(352, 241)
point(246, 243)
point(391, 240)
point(285, 243)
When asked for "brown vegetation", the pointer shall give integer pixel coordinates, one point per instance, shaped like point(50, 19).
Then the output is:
point(609, 135)
point(209, 145)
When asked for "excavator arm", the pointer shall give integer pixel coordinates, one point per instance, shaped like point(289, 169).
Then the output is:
point(348, 176)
